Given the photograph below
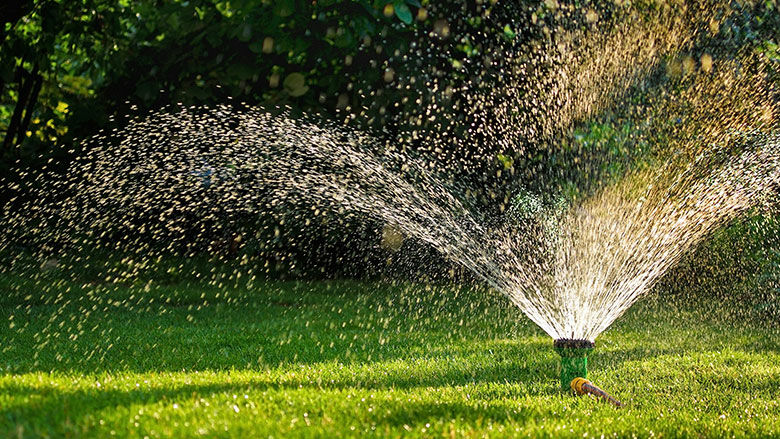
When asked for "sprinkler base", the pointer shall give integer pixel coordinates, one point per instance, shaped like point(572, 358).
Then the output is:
point(574, 359)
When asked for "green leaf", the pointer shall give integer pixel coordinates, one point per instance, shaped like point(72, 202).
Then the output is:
point(224, 9)
point(174, 21)
point(240, 71)
point(256, 46)
point(284, 8)
point(509, 33)
point(244, 32)
point(505, 160)
point(295, 84)
point(403, 12)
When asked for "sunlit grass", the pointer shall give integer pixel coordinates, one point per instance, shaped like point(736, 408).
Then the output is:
point(356, 359)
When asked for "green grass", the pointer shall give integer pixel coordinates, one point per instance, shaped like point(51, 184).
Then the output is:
point(360, 359)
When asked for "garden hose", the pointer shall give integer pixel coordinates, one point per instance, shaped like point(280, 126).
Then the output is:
point(581, 386)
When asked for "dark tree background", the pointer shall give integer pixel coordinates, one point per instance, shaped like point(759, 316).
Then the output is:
point(73, 67)
point(67, 66)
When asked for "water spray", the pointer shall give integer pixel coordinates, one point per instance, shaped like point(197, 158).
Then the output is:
point(581, 386)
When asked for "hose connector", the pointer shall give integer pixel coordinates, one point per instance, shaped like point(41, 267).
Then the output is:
point(581, 386)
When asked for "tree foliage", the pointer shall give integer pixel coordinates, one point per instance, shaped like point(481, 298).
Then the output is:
point(67, 66)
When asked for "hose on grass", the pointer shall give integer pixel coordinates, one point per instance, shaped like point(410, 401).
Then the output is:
point(581, 386)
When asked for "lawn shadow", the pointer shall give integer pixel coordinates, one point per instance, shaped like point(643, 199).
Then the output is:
point(67, 407)
point(62, 407)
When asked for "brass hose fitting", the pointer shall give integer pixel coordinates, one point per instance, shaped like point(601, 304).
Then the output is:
point(581, 386)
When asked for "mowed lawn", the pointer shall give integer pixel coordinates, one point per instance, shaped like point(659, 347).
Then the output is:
point(349, 359)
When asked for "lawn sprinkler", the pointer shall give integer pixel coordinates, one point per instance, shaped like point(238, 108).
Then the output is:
point(574, 369)
point(574, 359)
point(581, 386)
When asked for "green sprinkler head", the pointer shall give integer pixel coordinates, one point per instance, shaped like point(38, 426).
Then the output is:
point(574, 359)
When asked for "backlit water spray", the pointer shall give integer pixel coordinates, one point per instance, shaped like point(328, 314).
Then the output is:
point(572, 274)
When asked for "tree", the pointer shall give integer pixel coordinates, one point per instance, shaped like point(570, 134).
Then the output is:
point(53, 54)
